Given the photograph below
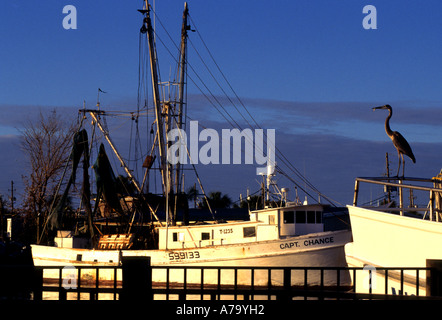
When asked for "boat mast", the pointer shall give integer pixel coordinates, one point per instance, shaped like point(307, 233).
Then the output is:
point(147, 28)
point(181, 88)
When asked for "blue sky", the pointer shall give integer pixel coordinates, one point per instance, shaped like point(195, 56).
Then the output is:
point(287, 50)
point(307, 68)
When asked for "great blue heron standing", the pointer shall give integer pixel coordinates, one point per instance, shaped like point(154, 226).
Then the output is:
point(399, 141)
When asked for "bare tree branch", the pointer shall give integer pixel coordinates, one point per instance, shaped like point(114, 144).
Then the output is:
point(46, 142)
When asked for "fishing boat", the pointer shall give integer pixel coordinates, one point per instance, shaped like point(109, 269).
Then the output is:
point(395, 232)
point(279, 234)
point(289, 236)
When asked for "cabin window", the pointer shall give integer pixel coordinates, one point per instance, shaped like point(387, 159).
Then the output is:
point(300, 217)
point(177, 236)
point(249, 232)
point(205, 236)
point(311, 217)
point(289, 217)
point(79, 257)
point(318, 216)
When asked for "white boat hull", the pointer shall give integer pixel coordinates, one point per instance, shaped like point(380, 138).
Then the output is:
point(388, 240)
point(325, 249)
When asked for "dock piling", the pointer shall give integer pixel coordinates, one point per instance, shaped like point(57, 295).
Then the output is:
point(434, 278)
point(137, 279)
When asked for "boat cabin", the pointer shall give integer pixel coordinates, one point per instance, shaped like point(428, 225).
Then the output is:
point(265, 224)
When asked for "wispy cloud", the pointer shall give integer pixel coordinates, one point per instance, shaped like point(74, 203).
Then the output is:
point(419, 120)
point(331, 143)
point(14, 117)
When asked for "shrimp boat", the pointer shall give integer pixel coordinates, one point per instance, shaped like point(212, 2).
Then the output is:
point(391, 233)
point(277, 235)
point(272, 238)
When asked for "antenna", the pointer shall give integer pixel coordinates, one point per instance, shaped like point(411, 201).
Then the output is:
point(98, 97)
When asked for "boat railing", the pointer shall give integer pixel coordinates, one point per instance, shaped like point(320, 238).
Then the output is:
point(211, 242)
point(433, 208)
point(202, 243)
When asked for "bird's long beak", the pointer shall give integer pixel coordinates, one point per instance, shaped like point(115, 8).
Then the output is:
point(381, 107)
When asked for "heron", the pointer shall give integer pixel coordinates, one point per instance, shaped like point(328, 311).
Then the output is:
point(399, 141)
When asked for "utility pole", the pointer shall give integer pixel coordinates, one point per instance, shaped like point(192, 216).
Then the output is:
point(263, 192)
point(12, 198)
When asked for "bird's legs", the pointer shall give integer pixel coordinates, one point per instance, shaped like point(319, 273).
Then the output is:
point(399, 163)
point(403, 166)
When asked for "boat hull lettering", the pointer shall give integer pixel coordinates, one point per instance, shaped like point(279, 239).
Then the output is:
point(318, 241)
point(226, 231)
point(306, 243)
point(289, 245)
point(184, 255)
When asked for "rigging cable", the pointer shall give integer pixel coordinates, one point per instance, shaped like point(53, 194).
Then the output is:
point(227, 115)
point(280, 154)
